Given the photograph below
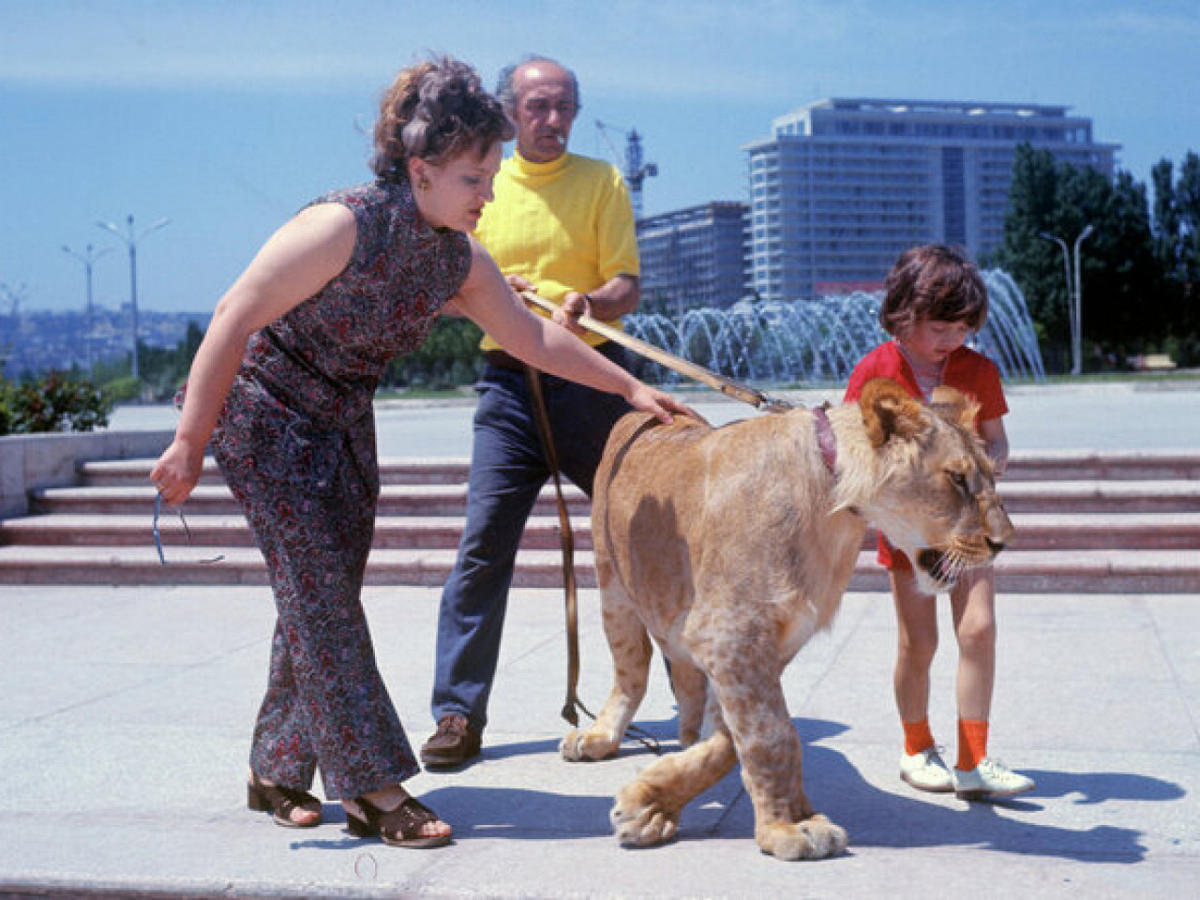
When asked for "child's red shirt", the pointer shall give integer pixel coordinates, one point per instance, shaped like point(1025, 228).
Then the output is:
point(967, 370)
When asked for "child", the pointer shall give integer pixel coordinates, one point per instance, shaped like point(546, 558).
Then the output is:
point(934, 300)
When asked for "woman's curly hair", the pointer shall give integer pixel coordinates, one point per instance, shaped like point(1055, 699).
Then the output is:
point(936, 282)
point(435, 110)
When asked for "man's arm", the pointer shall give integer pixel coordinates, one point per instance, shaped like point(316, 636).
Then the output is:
point(617, 297)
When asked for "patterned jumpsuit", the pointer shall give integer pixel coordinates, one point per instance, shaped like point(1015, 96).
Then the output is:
point(296, 444)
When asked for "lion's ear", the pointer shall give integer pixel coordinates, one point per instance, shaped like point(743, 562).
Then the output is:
point(888, 411)
point(955, 406)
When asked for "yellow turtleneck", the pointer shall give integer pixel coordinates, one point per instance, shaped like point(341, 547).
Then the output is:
point(566, 225)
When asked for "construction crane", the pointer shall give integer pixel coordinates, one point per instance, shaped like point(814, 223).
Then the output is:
point(634, 171)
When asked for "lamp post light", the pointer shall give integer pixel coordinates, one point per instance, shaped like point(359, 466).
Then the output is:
point(87, 258)
point(1074, 295)
point(131, 241)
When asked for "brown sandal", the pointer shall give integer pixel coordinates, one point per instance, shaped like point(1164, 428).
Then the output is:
point(400, 827)
point(281, 802)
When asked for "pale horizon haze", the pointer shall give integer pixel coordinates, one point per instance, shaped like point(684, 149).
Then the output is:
point(226, 117)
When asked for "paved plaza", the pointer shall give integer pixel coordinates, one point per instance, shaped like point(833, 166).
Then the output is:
point(125, 714)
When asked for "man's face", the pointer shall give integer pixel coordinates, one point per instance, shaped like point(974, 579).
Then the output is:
point(545, 110)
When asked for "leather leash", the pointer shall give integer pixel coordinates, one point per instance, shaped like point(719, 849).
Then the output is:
point(686, 367)
point(542, 417)
point(572, 705)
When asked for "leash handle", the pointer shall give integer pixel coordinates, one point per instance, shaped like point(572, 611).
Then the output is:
point(720, 383)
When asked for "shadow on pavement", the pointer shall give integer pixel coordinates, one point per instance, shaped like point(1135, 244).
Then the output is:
point(873, 817)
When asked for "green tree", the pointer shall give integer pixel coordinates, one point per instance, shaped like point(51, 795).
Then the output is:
point(1124, 306)
point(1176, 230)
point(165, 370)
point(1124, 309)
point(1034, 263)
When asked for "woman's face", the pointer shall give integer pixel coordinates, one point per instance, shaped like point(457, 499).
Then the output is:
point(453, 194)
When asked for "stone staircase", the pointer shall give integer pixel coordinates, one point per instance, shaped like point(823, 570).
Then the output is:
point(1126, 522)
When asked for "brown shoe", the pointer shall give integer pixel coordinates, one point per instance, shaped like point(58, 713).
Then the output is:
point(454, 742)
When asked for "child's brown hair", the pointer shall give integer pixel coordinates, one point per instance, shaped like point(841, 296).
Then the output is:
point(936, 282)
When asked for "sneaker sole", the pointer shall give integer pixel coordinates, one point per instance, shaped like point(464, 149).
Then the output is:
point(990, 795)
point(924, 787)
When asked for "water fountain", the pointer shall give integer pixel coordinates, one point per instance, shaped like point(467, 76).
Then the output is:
point(819, 341)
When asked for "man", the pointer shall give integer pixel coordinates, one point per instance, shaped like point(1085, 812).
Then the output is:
point(560, 224)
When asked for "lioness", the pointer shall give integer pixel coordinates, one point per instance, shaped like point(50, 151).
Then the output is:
point(732, 547)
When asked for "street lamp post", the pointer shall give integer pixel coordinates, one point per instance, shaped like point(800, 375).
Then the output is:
point(1074, 296)
point(87, 258)
point(131, 241)
point(1077, 349)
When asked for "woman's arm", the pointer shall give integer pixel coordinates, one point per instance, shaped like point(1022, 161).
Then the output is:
point(487, 300)
point(293, 265)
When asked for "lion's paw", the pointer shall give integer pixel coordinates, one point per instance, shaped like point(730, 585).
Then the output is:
point(580, 745)
point(813, 838)
point(639, 820)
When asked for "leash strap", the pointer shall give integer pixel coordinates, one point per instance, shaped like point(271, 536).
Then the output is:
point(572, 704)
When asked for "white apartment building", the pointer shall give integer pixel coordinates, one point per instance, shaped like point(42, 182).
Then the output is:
point(843, 186)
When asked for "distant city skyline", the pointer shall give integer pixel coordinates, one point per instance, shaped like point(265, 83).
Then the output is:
point(226, 117)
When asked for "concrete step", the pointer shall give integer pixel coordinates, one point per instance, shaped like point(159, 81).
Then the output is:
point(1081, 571)
point(1040, 465)
point(1110, 497)
point(1034, 531)
point(406, 470)
point(1085, 522)
point(216, 499)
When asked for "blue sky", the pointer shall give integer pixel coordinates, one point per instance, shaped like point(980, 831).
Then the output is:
point(228, 116)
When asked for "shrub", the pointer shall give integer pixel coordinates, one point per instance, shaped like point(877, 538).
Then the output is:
point(55, 403)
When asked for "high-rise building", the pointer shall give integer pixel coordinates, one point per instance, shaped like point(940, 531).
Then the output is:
point(843, 186)
point(695, 256)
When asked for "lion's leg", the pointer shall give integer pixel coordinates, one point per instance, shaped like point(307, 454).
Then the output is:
point(691, 690)
point(631, 650)
point(647, 809)
point(753, 705)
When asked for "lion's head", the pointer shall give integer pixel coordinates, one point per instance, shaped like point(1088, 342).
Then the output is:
point(933, 492)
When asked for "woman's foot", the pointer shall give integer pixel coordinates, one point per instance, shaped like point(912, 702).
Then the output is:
point(396, 817)
point(288, 807)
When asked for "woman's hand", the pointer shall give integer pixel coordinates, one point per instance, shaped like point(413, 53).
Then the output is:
point(647, 399)
point(177, 471)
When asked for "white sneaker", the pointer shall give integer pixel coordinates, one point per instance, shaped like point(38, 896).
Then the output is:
point(926, 771)
point(990, 780)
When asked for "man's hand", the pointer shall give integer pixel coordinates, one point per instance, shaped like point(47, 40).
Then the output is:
point(519, 283)
point(573, 306)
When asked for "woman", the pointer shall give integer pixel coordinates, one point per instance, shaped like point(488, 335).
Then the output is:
point(283, 383)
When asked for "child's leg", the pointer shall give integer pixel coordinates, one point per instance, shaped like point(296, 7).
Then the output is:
point(916, 625)
point(976, 775)
point(972, 603)
point(917, 639)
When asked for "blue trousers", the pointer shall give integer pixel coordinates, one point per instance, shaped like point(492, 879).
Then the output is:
point(508, 469)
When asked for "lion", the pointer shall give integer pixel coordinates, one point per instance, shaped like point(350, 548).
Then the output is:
point(731, 547)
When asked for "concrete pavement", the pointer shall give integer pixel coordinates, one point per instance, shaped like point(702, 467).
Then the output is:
point(125, 718)
point(126, 714)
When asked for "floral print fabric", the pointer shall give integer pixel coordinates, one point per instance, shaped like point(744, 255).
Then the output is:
point(296, 443)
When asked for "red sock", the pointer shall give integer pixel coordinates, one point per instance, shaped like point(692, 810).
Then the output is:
point(917, 736)
point(972, 743)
